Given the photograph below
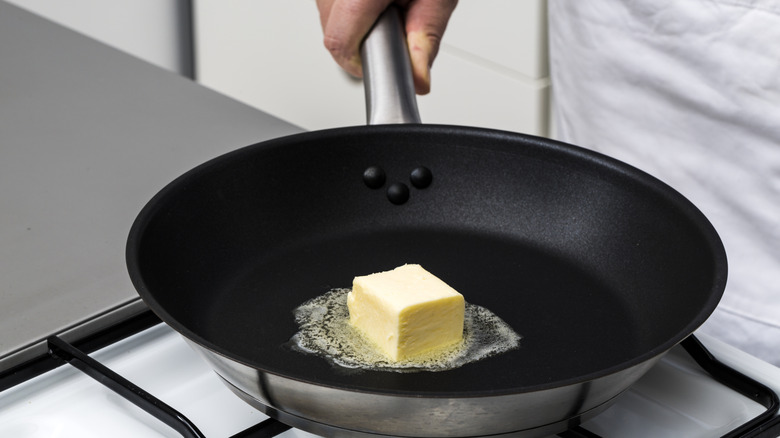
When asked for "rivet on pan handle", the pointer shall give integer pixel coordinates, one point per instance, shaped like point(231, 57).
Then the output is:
point(387, 72)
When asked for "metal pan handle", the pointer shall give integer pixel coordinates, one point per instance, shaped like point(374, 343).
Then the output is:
point(387, 72)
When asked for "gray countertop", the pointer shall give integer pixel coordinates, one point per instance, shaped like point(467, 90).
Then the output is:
point(88, 135)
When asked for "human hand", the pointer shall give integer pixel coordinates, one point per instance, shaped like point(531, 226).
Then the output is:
point(346, 22)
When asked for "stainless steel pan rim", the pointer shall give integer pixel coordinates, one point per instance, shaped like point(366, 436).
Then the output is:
point(331, 411)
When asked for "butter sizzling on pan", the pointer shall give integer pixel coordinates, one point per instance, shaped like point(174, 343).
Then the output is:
point(402, 320)
point(406, 312)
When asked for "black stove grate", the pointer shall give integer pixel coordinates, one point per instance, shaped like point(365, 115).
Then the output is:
point(742, 384)
point(765, 425)
point(123, 387)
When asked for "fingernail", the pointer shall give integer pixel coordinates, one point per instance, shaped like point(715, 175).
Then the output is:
point(355, 66)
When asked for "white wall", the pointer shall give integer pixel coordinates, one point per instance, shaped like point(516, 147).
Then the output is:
point(491, 70)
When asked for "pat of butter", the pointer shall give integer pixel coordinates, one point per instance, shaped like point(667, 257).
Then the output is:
point(406, 312)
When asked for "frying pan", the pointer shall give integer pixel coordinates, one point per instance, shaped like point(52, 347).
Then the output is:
point(600, 267)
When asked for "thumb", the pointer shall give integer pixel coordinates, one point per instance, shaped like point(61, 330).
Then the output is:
point(426, 21)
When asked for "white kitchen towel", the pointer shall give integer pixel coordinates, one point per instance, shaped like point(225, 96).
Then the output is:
point(688, 91)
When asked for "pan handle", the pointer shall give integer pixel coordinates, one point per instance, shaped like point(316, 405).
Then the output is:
point(387, 72)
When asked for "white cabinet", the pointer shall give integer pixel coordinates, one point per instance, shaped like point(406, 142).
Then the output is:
point(491, 70)
point(154, 30)
point(269, 54)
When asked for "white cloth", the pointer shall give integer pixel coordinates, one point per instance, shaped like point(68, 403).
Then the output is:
point(688, 91)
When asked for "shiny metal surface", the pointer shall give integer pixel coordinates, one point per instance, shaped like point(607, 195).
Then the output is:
point(331, 411)
point(387, 73)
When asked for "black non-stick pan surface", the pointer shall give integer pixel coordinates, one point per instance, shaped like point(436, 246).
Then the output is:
point(597, 265)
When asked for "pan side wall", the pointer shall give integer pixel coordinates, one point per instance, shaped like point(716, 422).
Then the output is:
point(537, 413)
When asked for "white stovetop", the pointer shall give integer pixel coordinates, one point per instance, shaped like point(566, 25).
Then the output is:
point(675, 398)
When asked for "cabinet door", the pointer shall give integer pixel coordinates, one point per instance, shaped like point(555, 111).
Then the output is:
point(156, 31)
point(270, 55)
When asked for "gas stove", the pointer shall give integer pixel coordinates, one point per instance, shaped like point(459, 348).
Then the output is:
point(694, 391)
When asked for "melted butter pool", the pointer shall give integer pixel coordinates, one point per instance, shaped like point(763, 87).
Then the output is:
point(324, 330)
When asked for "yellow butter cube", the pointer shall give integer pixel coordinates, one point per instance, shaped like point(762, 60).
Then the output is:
point(406, 312)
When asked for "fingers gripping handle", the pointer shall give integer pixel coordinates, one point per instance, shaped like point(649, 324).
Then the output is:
point(387, 72)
